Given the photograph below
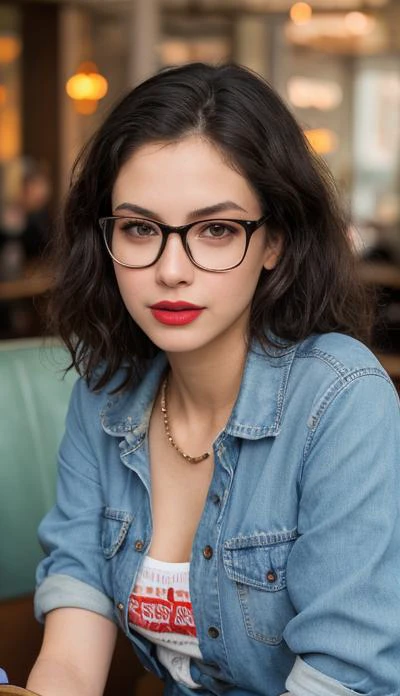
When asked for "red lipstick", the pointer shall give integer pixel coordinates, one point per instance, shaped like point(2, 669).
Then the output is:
point(175, 313)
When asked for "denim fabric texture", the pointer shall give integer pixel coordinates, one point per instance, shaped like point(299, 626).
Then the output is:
point(302, 591)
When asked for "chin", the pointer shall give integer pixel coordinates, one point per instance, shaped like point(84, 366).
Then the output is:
point(178, 340)
point(178, 344)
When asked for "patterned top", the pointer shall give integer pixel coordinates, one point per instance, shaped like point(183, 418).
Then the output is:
point(161, 610)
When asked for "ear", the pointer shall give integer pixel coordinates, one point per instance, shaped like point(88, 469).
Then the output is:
point(273, 252)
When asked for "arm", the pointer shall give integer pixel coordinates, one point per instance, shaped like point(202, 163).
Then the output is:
point(72, 595)
point(74, 572)
point(75, 655)
point(343, 570)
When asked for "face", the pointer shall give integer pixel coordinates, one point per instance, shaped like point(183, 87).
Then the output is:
point(177, 183)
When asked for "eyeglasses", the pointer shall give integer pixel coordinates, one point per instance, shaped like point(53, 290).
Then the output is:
point(213, 245)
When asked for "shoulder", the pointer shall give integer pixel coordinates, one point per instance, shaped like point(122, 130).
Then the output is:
point(340, 354)
point(326, 372)
point(88, 399)
point(317, 363)
point(87, 405)
point(288, 383)
point(332, 363)
point(329, 363)
point(115, 409)
point(334, 371)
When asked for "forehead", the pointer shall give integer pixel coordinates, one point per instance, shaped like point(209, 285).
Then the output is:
point(188, 173)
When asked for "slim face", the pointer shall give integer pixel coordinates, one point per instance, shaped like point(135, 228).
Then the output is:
point(181, 307)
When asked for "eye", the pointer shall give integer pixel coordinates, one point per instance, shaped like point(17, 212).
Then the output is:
point(218, 230)
point(138, 228)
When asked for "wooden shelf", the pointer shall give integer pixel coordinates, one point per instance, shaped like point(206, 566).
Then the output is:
point(34, 281)
point(391, 363)
point(385, 274)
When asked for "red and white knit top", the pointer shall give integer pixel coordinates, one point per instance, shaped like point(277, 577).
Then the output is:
point(161, 610)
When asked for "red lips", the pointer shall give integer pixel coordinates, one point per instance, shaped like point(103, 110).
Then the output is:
point(175, 313)
point(174, 306)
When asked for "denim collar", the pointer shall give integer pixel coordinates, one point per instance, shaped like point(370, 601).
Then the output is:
point(257, 412)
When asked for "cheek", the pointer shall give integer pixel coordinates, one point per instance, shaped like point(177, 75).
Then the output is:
point(129, 285)
point(121, 280)
point(127, 278)
point(238, 292)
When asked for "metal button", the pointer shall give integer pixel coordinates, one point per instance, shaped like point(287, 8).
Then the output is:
point(271, 576)
point(213, 632)
point(120, 606)
point(216, 498)
point(139, 544)
point(207, 552)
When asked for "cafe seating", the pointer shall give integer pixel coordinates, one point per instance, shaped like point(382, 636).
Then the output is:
point(33, 404)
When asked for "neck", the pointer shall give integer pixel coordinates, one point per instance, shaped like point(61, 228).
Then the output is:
point(205, 383)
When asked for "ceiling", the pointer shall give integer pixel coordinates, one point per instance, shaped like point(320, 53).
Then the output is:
point(250, 5)
point(319, 33)
point(271, 5)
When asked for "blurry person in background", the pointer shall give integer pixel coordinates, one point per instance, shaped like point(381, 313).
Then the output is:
point(25, 225)
point(25, 221)
point(229, 481)
point(12, 252)
point(36, 191)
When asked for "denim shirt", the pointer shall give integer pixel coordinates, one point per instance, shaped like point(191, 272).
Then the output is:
point(295, 565)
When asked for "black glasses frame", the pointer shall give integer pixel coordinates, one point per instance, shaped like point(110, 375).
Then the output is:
point(249, 226)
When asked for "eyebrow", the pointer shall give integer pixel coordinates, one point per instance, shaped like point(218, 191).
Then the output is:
point(199, 212)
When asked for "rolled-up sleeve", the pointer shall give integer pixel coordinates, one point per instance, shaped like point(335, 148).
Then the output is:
point(343, 573)
point(73, 574)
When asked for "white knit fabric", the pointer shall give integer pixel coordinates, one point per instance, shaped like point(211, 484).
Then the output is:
point(160, 609)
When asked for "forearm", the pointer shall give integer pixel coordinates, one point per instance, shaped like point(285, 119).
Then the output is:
point(76, 654)
point(50, 677)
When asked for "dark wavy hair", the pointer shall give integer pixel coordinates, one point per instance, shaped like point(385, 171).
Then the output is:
point(313, 289)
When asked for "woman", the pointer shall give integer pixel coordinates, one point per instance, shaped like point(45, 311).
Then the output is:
point(228, 480)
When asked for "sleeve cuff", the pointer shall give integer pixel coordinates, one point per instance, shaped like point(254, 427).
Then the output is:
point(58, 591)
point(305, 680)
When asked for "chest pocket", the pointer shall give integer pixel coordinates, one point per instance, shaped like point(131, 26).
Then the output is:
point(115, 527)
point(257, 564)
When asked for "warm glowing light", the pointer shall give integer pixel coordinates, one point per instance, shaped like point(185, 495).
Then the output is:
point(313, 93)
point(10, 134)
point(87, 85)
point(300, 12)
point(86, 106)
point(10, 48)
point(359, 23)
point(175, 52)
point(351, 32)
point(322, 140)
point(3, 95)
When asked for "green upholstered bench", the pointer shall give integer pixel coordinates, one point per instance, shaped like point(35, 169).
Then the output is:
point(33, 403)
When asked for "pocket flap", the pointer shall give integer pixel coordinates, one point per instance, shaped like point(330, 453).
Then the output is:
point(259, 560)
point(115, 526)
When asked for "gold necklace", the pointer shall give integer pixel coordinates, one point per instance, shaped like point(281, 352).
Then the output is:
point(164, 411)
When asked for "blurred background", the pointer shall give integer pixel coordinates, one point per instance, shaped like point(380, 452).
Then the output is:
point(63, 64)
point(336, 63)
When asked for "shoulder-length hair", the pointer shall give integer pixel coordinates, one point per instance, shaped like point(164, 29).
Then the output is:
point(314, 287)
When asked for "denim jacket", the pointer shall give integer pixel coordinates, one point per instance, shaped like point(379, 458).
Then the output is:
point(295, 565)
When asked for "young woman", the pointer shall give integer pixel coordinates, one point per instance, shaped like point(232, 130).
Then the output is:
point(229, 478)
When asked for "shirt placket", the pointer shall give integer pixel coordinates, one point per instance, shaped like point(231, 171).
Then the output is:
point(205, 563)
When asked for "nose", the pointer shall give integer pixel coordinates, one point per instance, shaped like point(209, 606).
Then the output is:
point(174, 266)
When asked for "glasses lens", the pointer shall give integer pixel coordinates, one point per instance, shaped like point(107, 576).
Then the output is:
point(218, 244)
point(133, 242)
point(215, 245)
